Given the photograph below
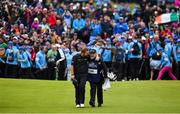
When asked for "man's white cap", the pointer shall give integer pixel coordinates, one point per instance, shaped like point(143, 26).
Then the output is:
point(53, 46)
point(45, 9)
point(105, 5)
point(78, 4)
point(36, 19)
point(151, 37)
point(130, 37)
point(58, 45)
point(143, 38)
point(74, 7)
point(115, 6)
point(15, 38)
point(104, 9)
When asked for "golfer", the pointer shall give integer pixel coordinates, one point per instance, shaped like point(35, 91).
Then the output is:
point(79, 72)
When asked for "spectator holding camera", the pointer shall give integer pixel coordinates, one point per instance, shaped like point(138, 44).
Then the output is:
point(135, 50)
point(11, 61)
point(154, 55)
point(25, 63)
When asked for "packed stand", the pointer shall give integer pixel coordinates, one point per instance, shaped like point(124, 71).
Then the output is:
point(38, 39)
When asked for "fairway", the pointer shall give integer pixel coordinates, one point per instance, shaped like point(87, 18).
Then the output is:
point(42, 96)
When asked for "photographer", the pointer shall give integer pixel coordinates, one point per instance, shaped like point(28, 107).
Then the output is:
point(11, 61)
point(135, 50)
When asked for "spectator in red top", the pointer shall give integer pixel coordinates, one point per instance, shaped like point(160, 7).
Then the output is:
point(166, 31)
point(51, 19)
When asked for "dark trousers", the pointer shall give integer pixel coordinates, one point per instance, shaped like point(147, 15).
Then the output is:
point(2, 69)
point(119, 69)
point(41, 74)
point(127, 69)
point(134, 68)
point(96, 87)
point(61, 73)
point(144, 69)
point(26, 73)
point(51, 71)
point(11, 71)
point(177, 70)
point(80, 89)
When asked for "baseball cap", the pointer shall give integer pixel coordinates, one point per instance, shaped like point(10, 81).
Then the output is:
point(92, 51)
point(143, 38)
point(178, 40)
point(10, 42)
point(120, 40)
point(57, 45)
point(15, 38)
point(36, 19)
point(121, 18)
point(166, 40)
point(130, 37)
point(151, 37)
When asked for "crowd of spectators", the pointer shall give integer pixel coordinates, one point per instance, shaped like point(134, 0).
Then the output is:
point(38, 38)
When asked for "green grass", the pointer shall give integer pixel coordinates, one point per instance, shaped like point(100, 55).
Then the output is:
point(41, 96)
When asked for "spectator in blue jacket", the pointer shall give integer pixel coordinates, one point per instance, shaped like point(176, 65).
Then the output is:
point(119, 59)
point(151, 32)
point(68, 18)
point(68, 62)
point(78, 24)
point(107, 53)
point(98, 47)
point(176, 53)
point(121, 26)
point(168, 47)
point(153, 46)
point(11, 61)
point(135, 50)
point(25, 64)
point(41, 63)
point(95, 29)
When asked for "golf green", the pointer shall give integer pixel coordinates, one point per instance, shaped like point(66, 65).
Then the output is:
point(42, 96)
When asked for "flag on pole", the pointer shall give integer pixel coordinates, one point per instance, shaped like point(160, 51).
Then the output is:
point(166, 18)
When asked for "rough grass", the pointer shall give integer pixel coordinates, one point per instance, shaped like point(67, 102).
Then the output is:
point(41, 96)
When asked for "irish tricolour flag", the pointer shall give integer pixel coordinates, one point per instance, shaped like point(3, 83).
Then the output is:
point(166, 18)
